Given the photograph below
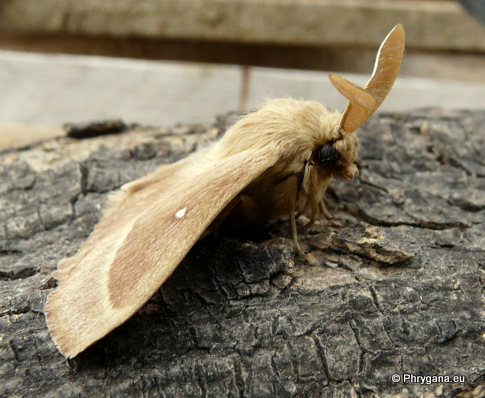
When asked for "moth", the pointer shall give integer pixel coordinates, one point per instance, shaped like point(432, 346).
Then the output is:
point(276, 161)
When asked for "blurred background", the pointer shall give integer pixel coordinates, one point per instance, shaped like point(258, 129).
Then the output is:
point(159, 62)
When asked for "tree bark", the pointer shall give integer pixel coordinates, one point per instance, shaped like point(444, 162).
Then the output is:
point(396, 288)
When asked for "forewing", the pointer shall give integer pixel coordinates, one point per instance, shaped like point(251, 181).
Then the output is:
point(134, 249)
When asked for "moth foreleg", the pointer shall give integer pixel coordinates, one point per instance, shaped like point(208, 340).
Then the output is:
point(323, 209)
point(294, 235)
point(294, 231)
point(313, 217)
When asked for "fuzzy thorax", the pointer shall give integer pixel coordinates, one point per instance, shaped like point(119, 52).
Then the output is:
point(295, 129)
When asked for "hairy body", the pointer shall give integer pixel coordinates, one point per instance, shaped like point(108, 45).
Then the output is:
point(276, 161)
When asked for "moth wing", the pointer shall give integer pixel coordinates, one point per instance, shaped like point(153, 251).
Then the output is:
point(148, 189)
point(136, 247)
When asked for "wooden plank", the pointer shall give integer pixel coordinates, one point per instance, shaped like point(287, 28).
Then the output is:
point(26, 133)
point(49, 90)
point(442, 25)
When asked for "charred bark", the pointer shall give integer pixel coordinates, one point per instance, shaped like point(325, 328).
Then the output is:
point(397, 287)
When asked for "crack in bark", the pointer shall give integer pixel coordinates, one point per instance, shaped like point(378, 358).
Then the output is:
point(370, 184)
point(423, 224)
point(323, 360)
point(22, 274)
point(20, 312)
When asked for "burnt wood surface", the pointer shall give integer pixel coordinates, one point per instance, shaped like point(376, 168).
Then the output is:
point(396, 288)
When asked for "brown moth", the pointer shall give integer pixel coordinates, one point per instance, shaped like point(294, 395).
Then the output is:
point(276, 161)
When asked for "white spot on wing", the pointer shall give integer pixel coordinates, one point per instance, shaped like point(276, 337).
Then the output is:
point(181, 213)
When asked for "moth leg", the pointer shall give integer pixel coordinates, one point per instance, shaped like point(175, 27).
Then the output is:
point(317, 208)
point(310, 181)
point(313, 217)
point(294, 235)
point(294, 232)
point(323, 209)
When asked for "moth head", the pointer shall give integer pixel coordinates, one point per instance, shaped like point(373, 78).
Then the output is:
point(337, 157)
point(328, 155)
point(339, 153)
point(363, 102)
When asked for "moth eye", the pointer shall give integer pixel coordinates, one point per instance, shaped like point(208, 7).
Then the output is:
point(327, 154)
